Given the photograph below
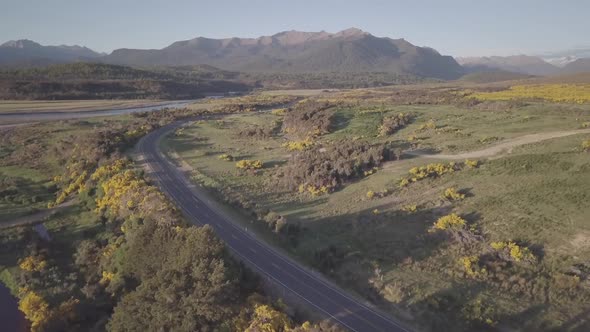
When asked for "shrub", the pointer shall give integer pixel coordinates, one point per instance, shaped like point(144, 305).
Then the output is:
point(453, 195)
point(391, 124)
point(566, 93)
point(450, 222)
point(428, 125)
point(334, 165)
point(472, 163)
point(308, 119)
point(471, 265)
point(428, 171)
point(278, 111)
point(410, 208)
point(249, 164)
point(226, 157)
point(314, 190)
point(513, 252)
point(586, 145)
point(33, 264)
point(370, 194)
point(299, 145)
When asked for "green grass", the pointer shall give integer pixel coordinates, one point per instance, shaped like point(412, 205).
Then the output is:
point(536, 195)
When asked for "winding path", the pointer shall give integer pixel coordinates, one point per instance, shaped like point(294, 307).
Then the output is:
point(506, 145)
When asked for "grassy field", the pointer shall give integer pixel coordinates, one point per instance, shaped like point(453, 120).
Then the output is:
point(383, 248)
point(15, 106)
point(27, 187)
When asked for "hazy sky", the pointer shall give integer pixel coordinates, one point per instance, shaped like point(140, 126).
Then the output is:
point(455, 27)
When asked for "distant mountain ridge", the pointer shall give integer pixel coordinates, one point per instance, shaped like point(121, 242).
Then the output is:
point(524, 64)
point(24, 53)
point(350, 50)
point(296, 52)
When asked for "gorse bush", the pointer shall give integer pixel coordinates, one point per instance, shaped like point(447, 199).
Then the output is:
point(513, 252)
point(249, 164)
point(453, 195)
point(471, 265)
point(586, 145)
point(308, 119)
point(411, 208)
point(334, 165)
point(450, 222)
point(561, 93)
point(226, 157)
point(472, 163)
point(33, 263)
point(429, 171)
point(391, 124)
point(299, 145)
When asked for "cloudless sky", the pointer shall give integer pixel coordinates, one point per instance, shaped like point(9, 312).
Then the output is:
point(454, 27)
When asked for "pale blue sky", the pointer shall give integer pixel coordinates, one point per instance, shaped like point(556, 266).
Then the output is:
point(455, 27)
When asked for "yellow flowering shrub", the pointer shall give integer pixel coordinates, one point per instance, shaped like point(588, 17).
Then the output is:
point(429, 171)
point(586, 145)
point(35, 309)
point(77, 185)
point(249, 164)
point(561, 93)
point(450, 222)
point(514, 251)
point(33, 264)
point(411, 208)
point(226, 157)
point(370, 194)
point(471, 265)
point(314, 190)
point(453, 195)
point(472, 163)
point(106, 278)
point(299, 145)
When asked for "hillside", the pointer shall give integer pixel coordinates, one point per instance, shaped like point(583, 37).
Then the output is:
point(104, 81)
point(523, 64)
point(350, 50)
point(493, 76)
point(577, 66)
point(27, 53)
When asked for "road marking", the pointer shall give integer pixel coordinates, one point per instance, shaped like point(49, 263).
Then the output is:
point(275, 265)
point(252, 250)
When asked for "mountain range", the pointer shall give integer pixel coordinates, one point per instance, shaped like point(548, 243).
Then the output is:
point(349, 51)
point(24, 52)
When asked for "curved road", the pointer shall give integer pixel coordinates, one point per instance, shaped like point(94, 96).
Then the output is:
point(313, 289)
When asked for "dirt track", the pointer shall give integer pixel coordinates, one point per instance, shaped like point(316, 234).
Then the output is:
point(505, 146)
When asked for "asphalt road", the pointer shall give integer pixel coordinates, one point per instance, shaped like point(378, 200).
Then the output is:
point(317, 292)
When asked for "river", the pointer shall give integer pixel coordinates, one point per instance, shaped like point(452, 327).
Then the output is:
point(64, 115)
point(11, 319)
